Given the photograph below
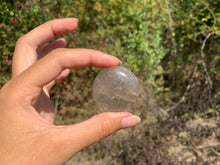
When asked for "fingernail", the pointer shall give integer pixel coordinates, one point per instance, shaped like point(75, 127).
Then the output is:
point(130, 121)
point(76, 20)
point(120, 61)
point(61, 39)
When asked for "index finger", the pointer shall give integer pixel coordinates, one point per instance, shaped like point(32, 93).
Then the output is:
point(48, 31)
point(49, 67)
point(25, 51)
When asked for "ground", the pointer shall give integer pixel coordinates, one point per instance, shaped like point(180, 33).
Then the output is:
point(163, 137)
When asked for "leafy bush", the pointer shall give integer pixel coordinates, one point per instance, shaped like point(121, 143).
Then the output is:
point(192, 22)
point(125, 29)
point(152, 38)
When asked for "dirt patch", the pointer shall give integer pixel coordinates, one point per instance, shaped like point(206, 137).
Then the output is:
point(191, 137)
point(194, 142)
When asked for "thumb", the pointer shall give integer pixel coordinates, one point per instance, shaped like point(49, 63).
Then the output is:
point(71, 139)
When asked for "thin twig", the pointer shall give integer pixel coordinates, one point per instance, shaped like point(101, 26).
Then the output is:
point(212, 13)
point(203, 56)
point(185, 93)
point(174, 50)
point(56, 104)
point(213, 150)
point(209, 146)
point(7, 28)
point(169, 13)
point(214, 60)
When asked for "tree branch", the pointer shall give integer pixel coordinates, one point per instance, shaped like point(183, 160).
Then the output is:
point(185, 93)
point(203, 56)
point(170, 16)
point(209, 146)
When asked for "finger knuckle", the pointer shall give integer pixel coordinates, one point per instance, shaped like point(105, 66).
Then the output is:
point(21, 40)
point(105, 126)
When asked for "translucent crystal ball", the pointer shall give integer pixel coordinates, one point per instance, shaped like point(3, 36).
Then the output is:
point(115, 89)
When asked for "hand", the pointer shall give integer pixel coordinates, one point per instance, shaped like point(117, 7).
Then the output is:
point(28, 135)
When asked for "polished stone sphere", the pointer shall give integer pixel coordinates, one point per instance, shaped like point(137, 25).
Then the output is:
point(115, 89)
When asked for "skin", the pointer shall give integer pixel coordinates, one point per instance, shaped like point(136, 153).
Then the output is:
point(28, 135)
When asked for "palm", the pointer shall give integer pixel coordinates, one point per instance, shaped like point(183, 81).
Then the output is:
point(43, 104)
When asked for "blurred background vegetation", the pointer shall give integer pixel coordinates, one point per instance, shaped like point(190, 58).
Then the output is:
point(173, 46)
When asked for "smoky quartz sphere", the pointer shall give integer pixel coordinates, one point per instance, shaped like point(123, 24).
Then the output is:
point(115, 89)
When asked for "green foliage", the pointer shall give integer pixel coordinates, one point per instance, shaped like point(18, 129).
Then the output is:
point(130, 32)
point(138, 32)
point(7, 26)
point(192, 22)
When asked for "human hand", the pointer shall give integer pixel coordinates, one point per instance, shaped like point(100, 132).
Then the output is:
point(28, 135)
